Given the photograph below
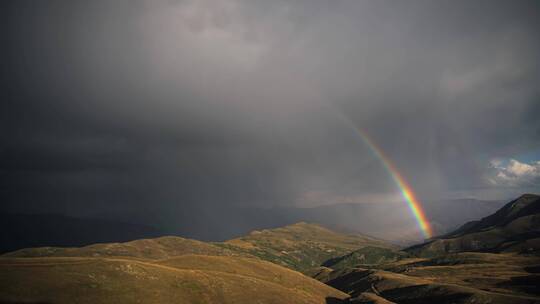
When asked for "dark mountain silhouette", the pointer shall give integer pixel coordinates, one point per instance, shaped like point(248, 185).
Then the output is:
point(219, 223)
point(514, 228)
point(38, 230)
point(208, 224)
point(453, 279)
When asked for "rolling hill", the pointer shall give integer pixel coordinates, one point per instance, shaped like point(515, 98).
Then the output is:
point(178, 270)
point(158, 248)
point(344, 268)
point(186, 279)
point(301, 246)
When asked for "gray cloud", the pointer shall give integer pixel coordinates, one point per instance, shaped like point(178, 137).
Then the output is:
point(185, 103)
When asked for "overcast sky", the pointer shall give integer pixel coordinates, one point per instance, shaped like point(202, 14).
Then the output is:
point(108, 105)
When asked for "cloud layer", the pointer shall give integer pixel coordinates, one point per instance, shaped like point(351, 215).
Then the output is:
point(137, 107)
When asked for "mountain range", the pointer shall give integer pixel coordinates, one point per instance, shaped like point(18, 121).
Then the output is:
point(492, 260)
point(513, 228)
point(33, 230)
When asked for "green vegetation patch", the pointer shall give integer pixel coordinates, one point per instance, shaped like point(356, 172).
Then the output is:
point(365, 256)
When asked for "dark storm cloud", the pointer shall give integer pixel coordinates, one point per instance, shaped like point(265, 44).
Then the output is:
point(171, 105)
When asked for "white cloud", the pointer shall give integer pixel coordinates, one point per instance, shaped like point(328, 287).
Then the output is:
point(521, 169)
point(514, 173)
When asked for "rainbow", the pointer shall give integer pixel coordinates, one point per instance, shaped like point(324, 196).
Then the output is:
point(406, 190)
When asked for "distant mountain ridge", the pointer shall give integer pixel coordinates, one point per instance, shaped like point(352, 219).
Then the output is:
point(224, 223)
point(525, 205)
point(513, 228)
point(36, 230)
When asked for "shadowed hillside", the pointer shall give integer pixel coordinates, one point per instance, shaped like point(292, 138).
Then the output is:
point(442, 272)
point(365, 256)
point(514, 228)
point(460, 278)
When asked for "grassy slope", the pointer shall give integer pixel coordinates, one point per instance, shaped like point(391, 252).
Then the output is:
point(186, 279)
point(367, 256)
point(300, 246)
point(158, 248)
point(178, 270)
